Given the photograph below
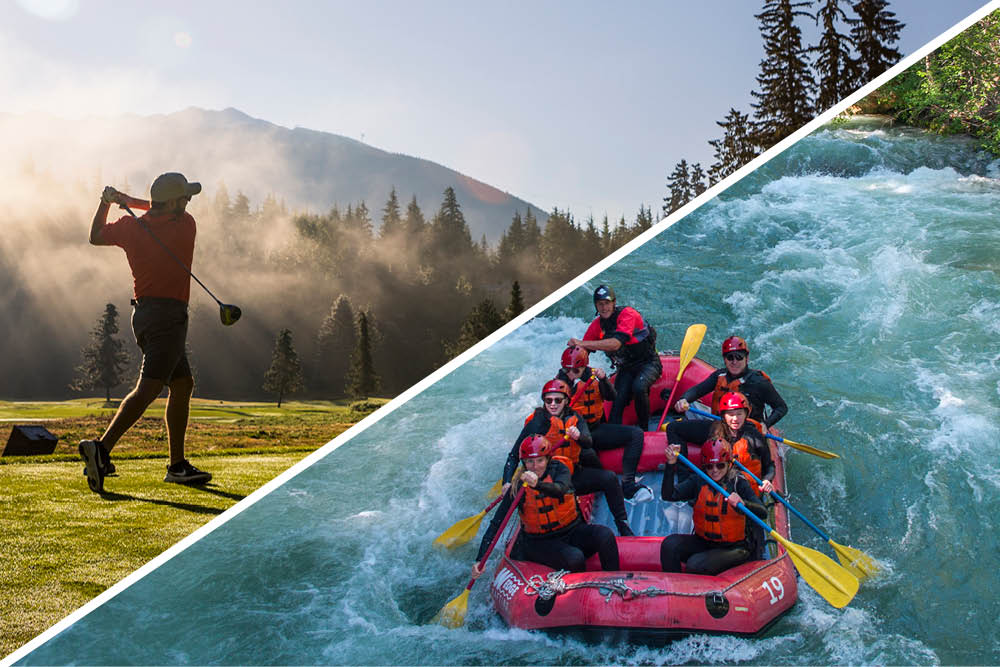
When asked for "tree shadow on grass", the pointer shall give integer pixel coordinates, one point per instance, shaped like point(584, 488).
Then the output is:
point(187, 507)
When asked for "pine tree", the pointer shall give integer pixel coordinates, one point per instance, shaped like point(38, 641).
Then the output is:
point(450, 236)
point(786, 82)
point(516, 305)
point(532, 237)
point(874, 31)
point(679, 185)
point(511, 245)
point(392, 221)
point(607, 243)
point(285, 374)
point(698, 184)
point(834, 64)
point(644, 219)
point(592, 246)
point(335, 343)
point(416, 226)
point(105, 359)
point(559, 247)
point(734, 149)
point(480, 323)
point(362, 380)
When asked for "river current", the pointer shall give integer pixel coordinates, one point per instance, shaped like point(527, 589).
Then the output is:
point(862, 266)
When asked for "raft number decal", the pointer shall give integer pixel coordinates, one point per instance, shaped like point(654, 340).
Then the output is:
point(505, 586)
point(776, 593)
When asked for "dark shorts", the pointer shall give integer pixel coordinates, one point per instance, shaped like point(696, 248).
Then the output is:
point(160, 328)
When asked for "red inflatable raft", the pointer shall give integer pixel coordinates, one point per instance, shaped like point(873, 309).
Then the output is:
point(640, 603)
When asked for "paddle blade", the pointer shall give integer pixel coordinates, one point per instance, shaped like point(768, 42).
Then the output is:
point(692, 341)
point(452, 615)
point(834, 583)
point(494, 490)
point(809, 449)
point(460, 532)
point(860, 564)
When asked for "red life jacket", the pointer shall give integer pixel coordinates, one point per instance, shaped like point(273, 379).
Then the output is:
point(715, 520)
point(542, 514)
point(743, 454)
point(587, 399)
point(562, 444)
point(722, 387)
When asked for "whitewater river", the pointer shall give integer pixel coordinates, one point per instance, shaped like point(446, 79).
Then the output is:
point(862, 266)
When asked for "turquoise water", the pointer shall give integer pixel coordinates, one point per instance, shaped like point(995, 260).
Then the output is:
point(862, 266)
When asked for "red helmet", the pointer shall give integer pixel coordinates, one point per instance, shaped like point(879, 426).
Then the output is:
point(555, 387)
point(575, 357)
point(534, 445)
point(734, 344)
point(734, 400)
point(713, 451)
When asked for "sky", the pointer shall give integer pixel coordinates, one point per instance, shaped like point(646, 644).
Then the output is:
point(579, 105)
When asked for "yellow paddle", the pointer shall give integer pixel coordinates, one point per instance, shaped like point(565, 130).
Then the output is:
point(452, 615)
point(692, 341)
point(834, 583)
point(494, 490)
point(464, 530)
point(791, 443)
point(860, 564)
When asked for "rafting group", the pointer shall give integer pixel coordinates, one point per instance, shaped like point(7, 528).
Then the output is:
point(720, 466)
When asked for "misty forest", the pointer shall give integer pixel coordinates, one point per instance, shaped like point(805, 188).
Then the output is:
point(366, 295)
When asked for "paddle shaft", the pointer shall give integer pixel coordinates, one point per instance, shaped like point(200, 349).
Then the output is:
point(496, 538)
point(777, 438)
point(777, 496)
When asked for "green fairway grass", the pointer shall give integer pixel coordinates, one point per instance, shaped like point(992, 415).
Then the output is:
point(62, 544)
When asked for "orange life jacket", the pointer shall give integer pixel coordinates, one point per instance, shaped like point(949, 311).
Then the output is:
point(587, 400)
point(562, 444)
point(715, 520)
point(722, 387)
point(741, 450)
point(542, 514)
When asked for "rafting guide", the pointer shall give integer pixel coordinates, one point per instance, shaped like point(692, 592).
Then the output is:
point(159, 247)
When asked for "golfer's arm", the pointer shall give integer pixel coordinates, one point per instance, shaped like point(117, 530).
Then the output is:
point(100, 221)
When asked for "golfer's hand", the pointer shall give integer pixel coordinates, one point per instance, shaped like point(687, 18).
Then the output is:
point(476, 570)
point(734, 499)
point(110, 195)
point(529, 479)
point(681, 405)
point(766, 486)
point(573, 432)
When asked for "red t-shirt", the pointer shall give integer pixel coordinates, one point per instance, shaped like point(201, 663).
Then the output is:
point(154, 271)
point(629, 321)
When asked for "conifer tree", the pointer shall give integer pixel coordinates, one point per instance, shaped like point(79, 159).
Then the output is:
point(559, 247)
point(392, 221)
point(105, 358)
point(607, 243)
point(480, 323)
point(873, 32)
point(698, 184)
point(416, 226)
point(450, 234)
point(511, 245)
point(363, 381)
point(734, 149)
point(516, 305)
point(532, 237)
point(643, 219)
point(285, 374)
point(679, 186)
point(834, 64)
point(335, 343)
point(786, 82)
point(591, 245)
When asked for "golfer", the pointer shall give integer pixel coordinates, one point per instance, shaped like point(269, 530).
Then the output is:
point(159, 318)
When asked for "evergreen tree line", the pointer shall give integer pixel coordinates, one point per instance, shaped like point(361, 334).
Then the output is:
point(423, 289)
point(954, 89)
point(796, 81)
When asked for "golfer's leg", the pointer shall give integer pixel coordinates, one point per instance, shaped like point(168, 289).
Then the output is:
point(176, 415)
point(132, 407)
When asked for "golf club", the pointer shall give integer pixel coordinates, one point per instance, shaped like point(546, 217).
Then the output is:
point(228, 313)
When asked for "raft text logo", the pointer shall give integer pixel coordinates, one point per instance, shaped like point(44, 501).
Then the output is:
point(505, 586)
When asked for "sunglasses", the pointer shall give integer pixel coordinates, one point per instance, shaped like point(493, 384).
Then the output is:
point(735, 356)
point(572, 371)
point(554, 401)
point(716, 466)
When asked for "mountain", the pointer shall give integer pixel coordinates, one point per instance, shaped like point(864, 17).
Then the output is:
point(307, 169)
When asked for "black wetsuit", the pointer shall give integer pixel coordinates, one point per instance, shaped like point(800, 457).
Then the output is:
point(588, 475)
point(754, 385)
point(564, 549)
point(612, 436)
point(706, 556)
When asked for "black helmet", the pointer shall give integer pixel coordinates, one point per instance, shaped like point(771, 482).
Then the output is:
point(603, 292)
